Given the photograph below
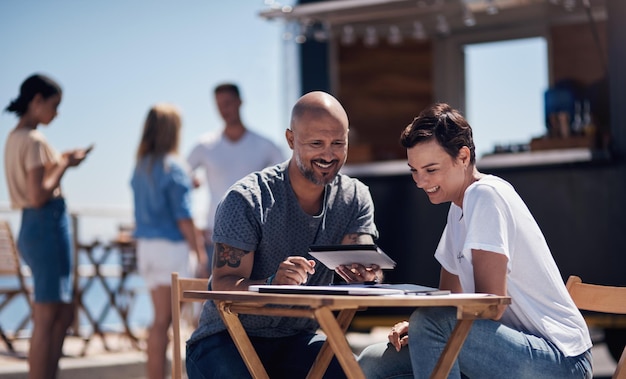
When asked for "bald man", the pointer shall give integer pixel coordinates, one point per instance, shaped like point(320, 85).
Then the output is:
point(263, 229)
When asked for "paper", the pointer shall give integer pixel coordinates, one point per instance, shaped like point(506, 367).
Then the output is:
point(324, 290)
point(335, 255)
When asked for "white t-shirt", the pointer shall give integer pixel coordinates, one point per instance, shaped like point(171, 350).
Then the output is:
point(224, 162)
point(495, 218)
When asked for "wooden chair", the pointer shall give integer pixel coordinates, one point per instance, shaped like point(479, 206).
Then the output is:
point(599, 298)
point(178, 286)
point(11, 268)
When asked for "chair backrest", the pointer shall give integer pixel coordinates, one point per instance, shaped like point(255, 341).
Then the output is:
point(10, 263)
point(179, 285)
point(599, 298)
point(9, 258)
point(11, 266)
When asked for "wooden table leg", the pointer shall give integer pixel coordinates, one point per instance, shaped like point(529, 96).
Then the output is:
point(240, 337)
point(452, 349)
point(335, 336)
point(344, 318)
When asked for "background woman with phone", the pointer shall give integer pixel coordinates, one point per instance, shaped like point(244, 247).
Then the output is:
point(34, 171)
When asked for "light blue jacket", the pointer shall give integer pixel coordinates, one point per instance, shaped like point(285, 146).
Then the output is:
point(162, 196)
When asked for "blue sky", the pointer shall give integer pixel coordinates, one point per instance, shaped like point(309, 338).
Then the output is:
point(114, 59)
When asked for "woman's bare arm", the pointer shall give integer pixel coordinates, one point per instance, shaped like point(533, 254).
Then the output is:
point(490, 275)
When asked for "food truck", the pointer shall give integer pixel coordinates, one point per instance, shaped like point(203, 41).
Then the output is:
point(386, 60)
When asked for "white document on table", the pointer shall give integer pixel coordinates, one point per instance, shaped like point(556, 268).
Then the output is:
point(350, 289)
point(324, 290)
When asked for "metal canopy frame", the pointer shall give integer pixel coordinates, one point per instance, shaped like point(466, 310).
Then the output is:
point(361, 14)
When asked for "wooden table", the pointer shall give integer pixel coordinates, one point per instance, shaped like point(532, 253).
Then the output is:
point(320, 307)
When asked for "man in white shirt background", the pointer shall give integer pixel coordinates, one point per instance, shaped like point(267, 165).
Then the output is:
point(229, 154)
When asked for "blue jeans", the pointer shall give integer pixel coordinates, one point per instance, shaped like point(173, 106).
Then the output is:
point(291, 357)
point(491, 350)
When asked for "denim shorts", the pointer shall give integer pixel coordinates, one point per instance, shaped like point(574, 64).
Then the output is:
point(44, 244)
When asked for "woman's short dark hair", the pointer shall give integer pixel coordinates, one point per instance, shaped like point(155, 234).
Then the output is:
point(33, 85)
point(446, 125)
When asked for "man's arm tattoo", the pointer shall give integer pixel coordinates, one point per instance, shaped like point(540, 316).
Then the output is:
point(355, 238)
point(228, 255)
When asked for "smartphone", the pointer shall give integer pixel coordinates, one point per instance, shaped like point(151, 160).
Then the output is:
point(89, 148)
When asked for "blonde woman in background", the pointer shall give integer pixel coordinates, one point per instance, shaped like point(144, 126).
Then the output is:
point(167, 239)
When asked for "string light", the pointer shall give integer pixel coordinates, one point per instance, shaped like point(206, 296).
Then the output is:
point(418, 31)
point(569, 5)
point(395, 36)
point(492, 8)
point(468, 16)
point(321, 32)
point(301, 37)
point(288, 34)
point(431, 14)
point(442, 25)
point(371, 37)
point(347, 36)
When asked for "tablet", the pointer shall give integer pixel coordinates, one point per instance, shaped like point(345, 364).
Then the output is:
point(325, 290)
point(335, 255)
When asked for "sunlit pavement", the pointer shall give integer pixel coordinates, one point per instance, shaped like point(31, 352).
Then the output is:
point(124, 361)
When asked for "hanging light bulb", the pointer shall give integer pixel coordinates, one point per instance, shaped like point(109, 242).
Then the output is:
point(418, 31)
point(569, 5)
point(322, 31)
point(272, 4)
point(289, 32)
point(492, 8)
point(301, 36)
point(347, 35)
point(442, 25)
point(468, 16)
point(371, 37)
point(395, 36)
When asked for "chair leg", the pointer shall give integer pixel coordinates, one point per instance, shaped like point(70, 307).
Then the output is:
point(6, 340)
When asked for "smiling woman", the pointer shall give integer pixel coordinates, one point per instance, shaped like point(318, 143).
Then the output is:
point(491, 244)
point(441, 154)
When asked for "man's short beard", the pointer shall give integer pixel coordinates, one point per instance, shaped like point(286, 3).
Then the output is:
point(310, 175)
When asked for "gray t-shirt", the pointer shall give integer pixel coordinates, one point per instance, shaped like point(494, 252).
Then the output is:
point(260, 213)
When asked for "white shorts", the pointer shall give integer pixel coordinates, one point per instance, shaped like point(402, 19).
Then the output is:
point(158, 258)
